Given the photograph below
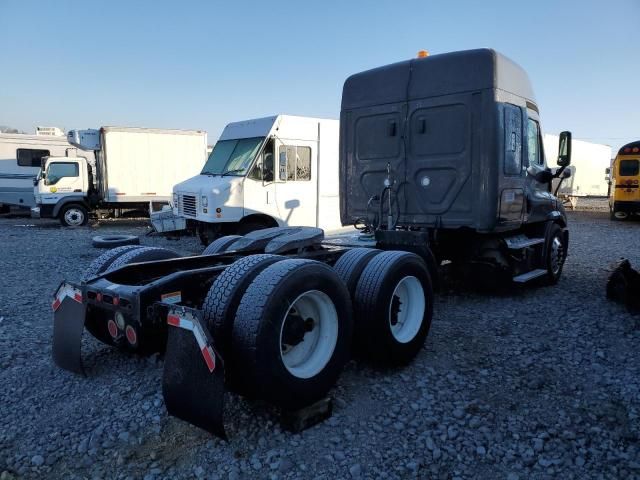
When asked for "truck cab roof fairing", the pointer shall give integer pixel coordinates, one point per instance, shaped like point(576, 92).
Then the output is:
point(434, 76)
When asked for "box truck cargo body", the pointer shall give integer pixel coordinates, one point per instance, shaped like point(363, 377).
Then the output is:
point(20, 161)
point(133, 168)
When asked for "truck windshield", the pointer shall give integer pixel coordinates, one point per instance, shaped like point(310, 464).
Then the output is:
point(232, 157)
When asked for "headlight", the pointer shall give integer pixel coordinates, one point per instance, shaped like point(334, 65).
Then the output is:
point(205, 201)
point(175, 200)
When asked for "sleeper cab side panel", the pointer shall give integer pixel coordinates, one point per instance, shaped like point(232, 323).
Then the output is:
point(372, 140)
point(451, 181)
point(439, 186)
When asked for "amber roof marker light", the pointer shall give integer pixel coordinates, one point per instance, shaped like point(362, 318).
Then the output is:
point(423, 53)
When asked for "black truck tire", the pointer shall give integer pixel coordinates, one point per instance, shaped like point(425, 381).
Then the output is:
point(73, 215)
point(220, 245)
point(349, 266)
point(143, 254)
point(100, 264)
point(222, 300)
point(393, 307)
point(290, 293)
point(555, 253)
point(112, 241)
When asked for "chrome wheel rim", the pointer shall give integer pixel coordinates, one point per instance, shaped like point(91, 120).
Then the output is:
point(74, 217)
point(557, 255)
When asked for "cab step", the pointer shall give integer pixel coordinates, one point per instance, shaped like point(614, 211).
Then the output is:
point(527, 277)
point(518, 242)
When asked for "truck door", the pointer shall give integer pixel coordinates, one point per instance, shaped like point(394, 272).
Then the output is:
point(259, 186)
point(64, 178)
point(296, 182)
point(540, 201)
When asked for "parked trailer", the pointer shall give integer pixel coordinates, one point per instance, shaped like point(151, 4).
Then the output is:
point(588, 161)
point(265, 172)
point(134, 167)
point(21, 159)
point(272, 314)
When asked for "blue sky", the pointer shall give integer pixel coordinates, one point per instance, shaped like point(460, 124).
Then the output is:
point(201, 64)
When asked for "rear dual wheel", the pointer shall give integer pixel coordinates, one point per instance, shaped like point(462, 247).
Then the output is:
point(285, 326)
point(393, 303)
point(290, 331)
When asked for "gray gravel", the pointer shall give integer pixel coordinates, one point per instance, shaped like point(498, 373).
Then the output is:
point(535, 383)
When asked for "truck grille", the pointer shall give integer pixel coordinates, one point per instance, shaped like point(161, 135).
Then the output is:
point(188, 205)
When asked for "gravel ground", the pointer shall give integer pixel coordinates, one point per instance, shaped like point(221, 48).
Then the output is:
point(534, 383)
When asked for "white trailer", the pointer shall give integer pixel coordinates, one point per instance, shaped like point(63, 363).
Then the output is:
point(267, 172)
point(588, 163)
point(21, 159)
point(133, 168)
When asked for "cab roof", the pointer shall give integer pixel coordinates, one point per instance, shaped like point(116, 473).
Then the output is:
point(629, 147)
point(432, 76)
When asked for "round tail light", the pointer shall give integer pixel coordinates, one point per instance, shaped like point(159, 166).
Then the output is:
point(132, 337)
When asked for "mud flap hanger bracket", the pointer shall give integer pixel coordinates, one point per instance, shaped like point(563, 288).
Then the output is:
point(193, 377)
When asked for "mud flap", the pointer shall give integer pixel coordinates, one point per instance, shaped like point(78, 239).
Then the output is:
point(68, 323)
point(193, 378)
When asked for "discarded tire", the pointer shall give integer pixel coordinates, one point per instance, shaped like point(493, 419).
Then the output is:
point(112, 241)
point(292, 333)
point(100, 264)
point(144, 254)
point(349, 266)
point(220, 245)
point(393, 306)
point(222, 300)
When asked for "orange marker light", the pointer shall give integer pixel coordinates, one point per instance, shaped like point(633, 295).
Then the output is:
point(423, 54)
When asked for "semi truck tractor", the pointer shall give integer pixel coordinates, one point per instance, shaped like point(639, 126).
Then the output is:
point(133, 168)
point(440, 159)
point(266, 172)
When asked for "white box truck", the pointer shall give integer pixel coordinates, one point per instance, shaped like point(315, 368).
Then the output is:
point(133, 168)
point(588, 162)
point(267, 172)
point(20, 161)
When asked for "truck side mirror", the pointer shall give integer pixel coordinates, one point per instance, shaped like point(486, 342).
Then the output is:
point(564, 149)
point(282, 175)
